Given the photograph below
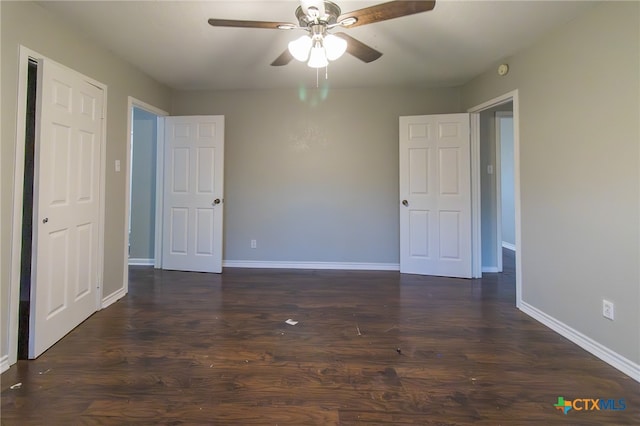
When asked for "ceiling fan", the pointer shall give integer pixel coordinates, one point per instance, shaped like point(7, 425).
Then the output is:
point(318, 17)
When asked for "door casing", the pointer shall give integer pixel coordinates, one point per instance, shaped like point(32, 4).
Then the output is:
point(136, 103)
point(476, 237)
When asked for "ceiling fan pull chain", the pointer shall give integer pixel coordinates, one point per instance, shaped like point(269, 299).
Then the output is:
point(326, 72)
point(317, 74)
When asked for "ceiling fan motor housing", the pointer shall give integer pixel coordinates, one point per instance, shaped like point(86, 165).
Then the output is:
point(330, 17)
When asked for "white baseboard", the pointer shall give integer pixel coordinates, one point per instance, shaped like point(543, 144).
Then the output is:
point(508, 246)
point(612, 358)
point(113, 298)
point(4, 363)
point(358, 266)
point(141, 262)
point(490, 269)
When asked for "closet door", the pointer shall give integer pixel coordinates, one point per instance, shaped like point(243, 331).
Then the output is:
point(67, 206)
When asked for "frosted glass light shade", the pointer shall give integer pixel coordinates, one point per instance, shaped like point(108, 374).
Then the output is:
point(334, 46)
point(318, 58)
point(300, 47)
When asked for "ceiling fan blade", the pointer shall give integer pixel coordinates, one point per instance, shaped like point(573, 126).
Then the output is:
point(389, 10)
point(283, 59)
point(359, 49)
point(251, 24)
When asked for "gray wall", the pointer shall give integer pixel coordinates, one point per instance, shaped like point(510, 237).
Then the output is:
point(28, 24)
point(143, 185)
point(579, 169)
point(507, 200)
point(313, 179)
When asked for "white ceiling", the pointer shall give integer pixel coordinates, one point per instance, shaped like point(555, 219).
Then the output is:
point(172, 41)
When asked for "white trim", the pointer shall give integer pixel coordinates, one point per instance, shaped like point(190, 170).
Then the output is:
point(476, 225)
point(516, 189)
point(18, 192)
point(508, 246)
point(127, 197)
point(103, 196)
point(607, 355)
point(133, 261)
point(4, 363)
point(157, 251)
point(113, 297)
point(513, 97)
point(131, 103)
point(355, 266)
point(490, 269)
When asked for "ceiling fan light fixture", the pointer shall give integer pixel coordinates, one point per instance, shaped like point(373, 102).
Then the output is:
point(318, 17)
point(318, 57)
point(300, 47)
point(334, 46)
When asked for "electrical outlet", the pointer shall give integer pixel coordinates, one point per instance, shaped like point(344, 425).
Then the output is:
point(607, 309)
point(254, 244)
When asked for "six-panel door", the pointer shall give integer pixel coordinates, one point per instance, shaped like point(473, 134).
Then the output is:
point(435, 195)
point(193, 193)
point(67, 204)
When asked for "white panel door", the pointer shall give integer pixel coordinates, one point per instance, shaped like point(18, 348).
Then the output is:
point(435, 194)
point(193, 193)
point(66, 206)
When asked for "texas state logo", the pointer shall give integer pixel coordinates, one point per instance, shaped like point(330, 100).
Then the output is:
point(589, 404)
point(563, 405)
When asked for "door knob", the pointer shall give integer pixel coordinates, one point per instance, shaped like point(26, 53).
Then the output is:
point(216, 201)
point(405, 203)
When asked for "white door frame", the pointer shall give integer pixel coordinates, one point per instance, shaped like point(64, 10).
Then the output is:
point(475, 186)
point(157, 254)
point(18, 192)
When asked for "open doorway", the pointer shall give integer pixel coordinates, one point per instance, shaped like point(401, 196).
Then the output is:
point(495, 169)
point(496, 184)
point(142, 178)
point(144, 197)
point(506, 208)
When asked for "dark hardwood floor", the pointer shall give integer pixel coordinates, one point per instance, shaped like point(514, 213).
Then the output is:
point(369, 347)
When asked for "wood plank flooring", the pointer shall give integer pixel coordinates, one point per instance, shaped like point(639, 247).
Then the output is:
point(369, 348)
